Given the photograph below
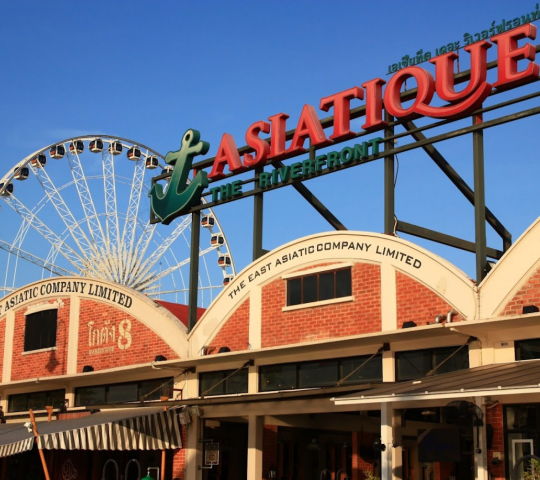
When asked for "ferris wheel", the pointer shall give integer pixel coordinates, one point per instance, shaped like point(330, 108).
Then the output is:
point(81, 207)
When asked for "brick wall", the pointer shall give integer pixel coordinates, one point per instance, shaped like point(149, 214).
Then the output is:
point(40, 364)
point(494, 417)
point(528, 294)
point(417, 303)
point(235, 333)
point(362, 443)
point(179, 458)
point(115, 338)
point(363, 315)
point(270, 449)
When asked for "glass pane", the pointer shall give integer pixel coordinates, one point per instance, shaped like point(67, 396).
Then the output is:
point(318, 374)
point(309, 289)
point(458, 362)
point(277, 377)
point(528, 349)
point(238, 383)
point(126, 392)
point(157, 387)
point(89, 396)
point(343, 283)
point(56, 398)
point(370, 372)
point(326, 286)
point(18, 403)
point(37, 401)
point(294, 291)
point(207, 380)
point(412, 365)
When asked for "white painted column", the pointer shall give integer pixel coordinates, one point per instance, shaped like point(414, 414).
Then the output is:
point(253, 379)
point(387, 414)
point(480, 459)
point(255, 447)
point(8, 347)
point(255, 316)
point(397, 452)
point(388, 297)
point(194, 457)
point(73, 335)
point(389, 366)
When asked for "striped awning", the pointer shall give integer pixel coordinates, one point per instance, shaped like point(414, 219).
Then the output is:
point(14, 438)
point(133, 429)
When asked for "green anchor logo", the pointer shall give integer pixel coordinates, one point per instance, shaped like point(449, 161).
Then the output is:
point(180, 196)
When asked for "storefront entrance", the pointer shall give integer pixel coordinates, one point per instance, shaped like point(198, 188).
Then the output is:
point(232, 438)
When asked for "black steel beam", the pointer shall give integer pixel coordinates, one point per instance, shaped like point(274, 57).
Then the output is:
point(194, 269)
point(315, 202)
point(449, 240)
point(257, 221)
point(461, 185)
point(389, 178)
point(479, 200)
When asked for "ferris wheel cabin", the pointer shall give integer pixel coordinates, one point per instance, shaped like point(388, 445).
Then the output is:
point(115, 148)
point(96, 145)
point(217, 240)
point(76, 146)
point(39, 161)
point(134, 153)
point(228, 279)
point(22, 173)
point(224, 260)
point(8, 191)
point(152, 162)
point(57, 152)
point(167, 170)
point(208, 221)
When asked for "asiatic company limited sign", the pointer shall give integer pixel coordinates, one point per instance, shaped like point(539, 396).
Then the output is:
point(181, 197)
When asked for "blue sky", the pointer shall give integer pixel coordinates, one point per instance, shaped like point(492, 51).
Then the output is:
point(148, 71)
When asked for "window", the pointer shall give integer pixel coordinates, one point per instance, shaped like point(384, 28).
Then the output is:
point(123, 392)
point(319, 287)
point(417, 363)
point(528, 349)
point(36, 400)
point(321, 373)
point(40, 330)
point(209, 382)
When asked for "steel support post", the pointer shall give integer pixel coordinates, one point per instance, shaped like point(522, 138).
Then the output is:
point(257, 221)
point(479, 200)
point(389, 178)
point(194, 268)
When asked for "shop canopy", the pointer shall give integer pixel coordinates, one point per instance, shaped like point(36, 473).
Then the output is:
point(515, 378)
point(133, 429)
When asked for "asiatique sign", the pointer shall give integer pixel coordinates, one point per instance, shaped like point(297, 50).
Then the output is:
point(182, 196)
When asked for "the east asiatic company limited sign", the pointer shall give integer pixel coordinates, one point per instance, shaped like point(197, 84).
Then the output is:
point(181, 197)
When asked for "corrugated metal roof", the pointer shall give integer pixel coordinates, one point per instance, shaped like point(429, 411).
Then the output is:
point(487, 377)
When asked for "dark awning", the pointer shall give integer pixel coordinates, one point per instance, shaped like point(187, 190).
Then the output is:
point(133, 429)
point(494, 379)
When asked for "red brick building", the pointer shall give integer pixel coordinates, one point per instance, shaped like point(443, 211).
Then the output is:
point(330, 357)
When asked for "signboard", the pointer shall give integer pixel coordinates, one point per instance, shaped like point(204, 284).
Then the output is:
point(182, 198)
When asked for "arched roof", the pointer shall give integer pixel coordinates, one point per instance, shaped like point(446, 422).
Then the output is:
point(154, 316)
point(390, 252)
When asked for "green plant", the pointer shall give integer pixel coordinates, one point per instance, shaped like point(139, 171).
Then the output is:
point(368, 475)
point(533, 472)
